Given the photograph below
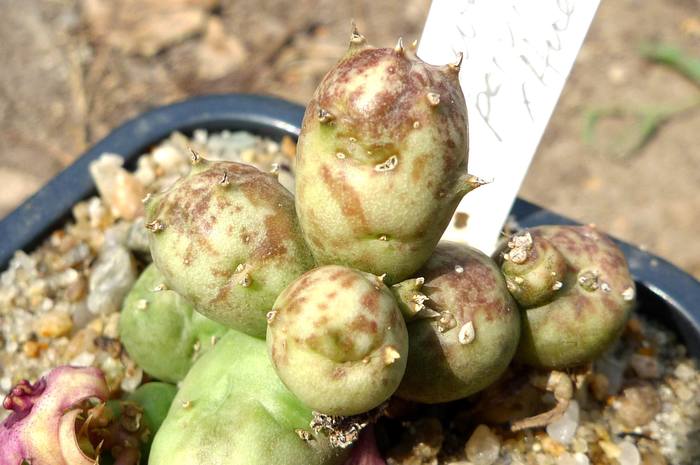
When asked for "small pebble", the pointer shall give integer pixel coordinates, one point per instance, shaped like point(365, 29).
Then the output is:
point(132, 379)
point(85, 359)
point(169, 158)
point(32, 349)
point(121, 190)
point(82, 341)
point(77, 290)
point(483, 446)
point(637, 405)
point(564, 428)
point(54, 324)
point(629, 454)
point(137, 237)
point(573, 459)
point(684, 372)
point(611, 450)
point(645, 366)
point(112, 277)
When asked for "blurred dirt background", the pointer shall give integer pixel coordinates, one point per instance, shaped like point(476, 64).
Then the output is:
point(74, 69)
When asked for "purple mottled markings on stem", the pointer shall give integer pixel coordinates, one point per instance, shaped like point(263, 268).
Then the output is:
point(231, 246)
point(341, 326)
point(575, 285)
point(401, 128)
point(467, 332)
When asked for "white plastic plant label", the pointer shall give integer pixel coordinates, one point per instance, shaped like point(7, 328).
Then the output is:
point(517, 56)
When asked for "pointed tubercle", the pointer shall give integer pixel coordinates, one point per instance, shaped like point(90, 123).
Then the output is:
point(356, 38)
point(398, 48)
point(324, 116)
point(194, 156)
point(455, 67)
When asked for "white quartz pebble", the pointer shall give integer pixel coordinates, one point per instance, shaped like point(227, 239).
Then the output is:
point(483, 446)
point(573, 459)
point(629, 455)
point(564, 428)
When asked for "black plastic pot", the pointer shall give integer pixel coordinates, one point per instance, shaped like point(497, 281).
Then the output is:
point(665, 293)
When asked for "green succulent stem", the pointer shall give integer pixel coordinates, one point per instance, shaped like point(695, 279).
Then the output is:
point(412, 302)
point(535, 271)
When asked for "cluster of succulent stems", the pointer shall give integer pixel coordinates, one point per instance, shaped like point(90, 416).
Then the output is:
point(296, 318)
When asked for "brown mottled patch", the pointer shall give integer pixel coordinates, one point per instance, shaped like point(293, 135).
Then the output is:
point(370, 301)
point(386, 112)
point(335, 275)
point(331, 295)
point(321, 321)
point(279, 229)
point(189, 254)
point(395, 318)
point(222, 294)
point(476, 288)
point(295, 305)
point(348, 280)
point(280, 354)
point(338, 373)
point(302, 283)
point(219, 273)
point(323, 306)
point(364, 325)
point(583, 308)
point(418, 169)
point(262, 190)
point(223, 203)
point(609, 303)
point(315, 240)
point(349, 200)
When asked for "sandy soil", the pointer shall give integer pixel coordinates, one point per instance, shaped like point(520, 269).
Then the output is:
point(74, 69)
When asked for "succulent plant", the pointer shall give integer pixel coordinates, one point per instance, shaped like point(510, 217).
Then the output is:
point(154, 399)
point(232, 408)
point(337, 340)
point(463, 325)
point(226, 238)
point(575, 287)
point(42, 427)
point(381, 160)
point(65, 419)
point(161, 331)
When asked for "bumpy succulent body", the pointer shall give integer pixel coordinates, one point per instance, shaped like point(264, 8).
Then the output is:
point(338, 341)
point(381, 160)
point(226, 238)
point(576, 291)
point(465, 328)
point(161, 331)
point(232, 408)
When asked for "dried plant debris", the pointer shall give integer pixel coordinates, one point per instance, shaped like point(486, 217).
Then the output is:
point(343, 431)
